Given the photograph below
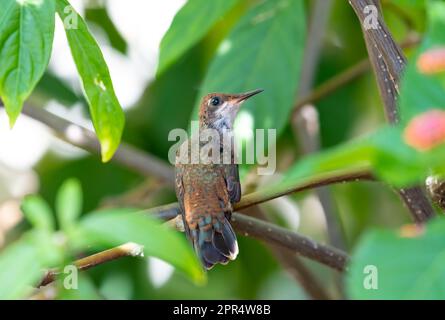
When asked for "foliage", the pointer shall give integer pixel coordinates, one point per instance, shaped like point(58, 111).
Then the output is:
point(408, 264)
point(26, 41)
point(387, 151)
point(41, 248)
point(272, 31)
point(226, 46)
point(24, 55)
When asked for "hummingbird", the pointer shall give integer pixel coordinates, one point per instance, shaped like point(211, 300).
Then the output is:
point(206, 192)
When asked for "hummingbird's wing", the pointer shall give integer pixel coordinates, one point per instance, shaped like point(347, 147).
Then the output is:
point(231, 176)
point(179, 188)
point(205, 208)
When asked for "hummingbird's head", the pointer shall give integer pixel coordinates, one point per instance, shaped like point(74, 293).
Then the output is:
point(218, 110)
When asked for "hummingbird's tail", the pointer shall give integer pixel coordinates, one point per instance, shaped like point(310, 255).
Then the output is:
point(214, 240)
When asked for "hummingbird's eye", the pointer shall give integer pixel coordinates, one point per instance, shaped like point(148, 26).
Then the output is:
point(215, 101)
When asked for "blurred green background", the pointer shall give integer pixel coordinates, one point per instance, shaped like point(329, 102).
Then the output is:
point(130, 33)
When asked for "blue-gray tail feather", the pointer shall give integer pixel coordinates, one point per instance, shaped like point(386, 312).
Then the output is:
point(214, 243)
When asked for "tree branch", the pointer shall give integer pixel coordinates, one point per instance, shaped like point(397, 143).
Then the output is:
point(247, 226)
point(271, 234)
point(127, 155)
point(126, 250)
point(299, 244)
point(302, 185)
point(388, 63)
point(306, 124)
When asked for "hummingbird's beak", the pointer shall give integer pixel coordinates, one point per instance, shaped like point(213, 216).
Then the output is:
point(244, 96)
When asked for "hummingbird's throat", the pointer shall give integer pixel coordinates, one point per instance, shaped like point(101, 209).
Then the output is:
point(224, 117)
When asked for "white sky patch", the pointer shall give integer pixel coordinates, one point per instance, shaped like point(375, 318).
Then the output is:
point(159, 271)
point(24, 145)
point(142, 24)
point(129, 77)
point(16, 183)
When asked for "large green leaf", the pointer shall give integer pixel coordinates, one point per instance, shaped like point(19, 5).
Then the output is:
point(403, 267)
point(26, 36)
point(18, 269)
point(22, 263)
point(106, 112)
point(85, 290)
point(264, 50)
point(116, 227)
point(190, 25)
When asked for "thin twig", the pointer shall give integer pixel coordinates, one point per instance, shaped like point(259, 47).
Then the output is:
point(127, 155)
point(126, 250)
point(333, 84)
point(345, 77)
point(388, 62)
point(306, 124)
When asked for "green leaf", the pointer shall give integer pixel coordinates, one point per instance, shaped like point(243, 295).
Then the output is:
point(386, 152)
point(106, 112)
point(85, 290)
point(23, 262)
point(265, 51)
point(403, 268)
point(69, 203)
point(100, 17)
point(38, 212)
point(421, 92)
point(26, 36)
point(18, 269)
point(116, 227)
point(192, 22)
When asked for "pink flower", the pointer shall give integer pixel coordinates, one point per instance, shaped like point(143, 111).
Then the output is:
point(432, 61)
point(426, 130)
